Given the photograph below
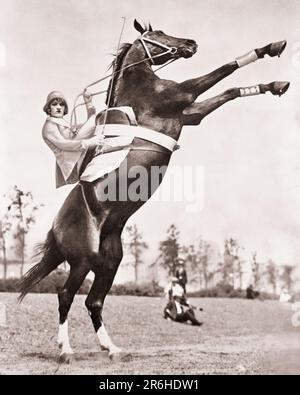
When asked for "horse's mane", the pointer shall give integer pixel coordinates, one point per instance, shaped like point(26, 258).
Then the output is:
point(116, 65)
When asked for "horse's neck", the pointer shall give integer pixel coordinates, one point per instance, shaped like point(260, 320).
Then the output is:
point(135, 69)
point(135, 88)
point(136, 56)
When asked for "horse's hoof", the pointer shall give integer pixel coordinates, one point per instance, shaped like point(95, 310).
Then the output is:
point(277, 48)
point(278, 88)
point(115, 355)
point(121, 357)
point(65, 358)
point(104, 348)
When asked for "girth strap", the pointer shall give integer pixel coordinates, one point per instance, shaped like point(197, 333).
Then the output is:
point(142, 133)
point(133, 147)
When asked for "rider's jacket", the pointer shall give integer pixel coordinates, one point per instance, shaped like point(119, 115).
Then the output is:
point(67, 147)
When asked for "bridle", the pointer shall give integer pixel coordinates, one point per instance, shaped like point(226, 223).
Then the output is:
point(144, 41)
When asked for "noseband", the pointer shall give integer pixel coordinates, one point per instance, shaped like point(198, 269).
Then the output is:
point(144, 41)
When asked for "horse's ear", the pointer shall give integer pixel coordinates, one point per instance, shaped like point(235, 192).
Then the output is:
point(150, 28)
point(139, 27)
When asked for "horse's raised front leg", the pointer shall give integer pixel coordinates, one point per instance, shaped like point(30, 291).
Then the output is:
point(65, 297)
point(110, 256)
point(197, 86)
point(193, 114)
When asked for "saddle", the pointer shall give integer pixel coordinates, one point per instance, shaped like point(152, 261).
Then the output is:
point(119, 116)
point(119, 142)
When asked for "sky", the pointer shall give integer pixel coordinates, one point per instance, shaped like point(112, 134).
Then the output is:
point(247, 151)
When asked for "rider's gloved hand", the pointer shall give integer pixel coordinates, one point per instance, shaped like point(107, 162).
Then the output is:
point(87, 97)
point(95, 141)
point(101, 139)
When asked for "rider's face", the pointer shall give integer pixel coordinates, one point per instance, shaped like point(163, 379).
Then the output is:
point(57, 108)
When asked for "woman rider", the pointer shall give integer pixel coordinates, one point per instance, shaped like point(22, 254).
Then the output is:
point(68, 147)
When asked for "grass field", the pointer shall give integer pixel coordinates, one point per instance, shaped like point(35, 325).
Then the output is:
point(238, 337)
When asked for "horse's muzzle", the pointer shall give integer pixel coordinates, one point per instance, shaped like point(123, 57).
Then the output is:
point(188, 52)
point(188, 49)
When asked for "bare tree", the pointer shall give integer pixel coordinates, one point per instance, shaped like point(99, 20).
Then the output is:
point(199, 258)
point(255, 266)
point(232, 264)
point(23, 211)
point(5, 226)
point(237, 262)
point(211, 277)
point(287, 276)
point(136, 245)
point(169, 250)
point(192, 257)
point(272, 275)
point(203, 253)
point(227, 266)
point(239, 270)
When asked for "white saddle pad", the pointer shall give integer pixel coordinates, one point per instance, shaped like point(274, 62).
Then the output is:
point(105, 163)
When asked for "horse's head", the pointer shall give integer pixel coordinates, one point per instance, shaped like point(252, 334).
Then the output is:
point(160, 47)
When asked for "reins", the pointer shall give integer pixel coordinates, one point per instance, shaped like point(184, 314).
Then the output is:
point(144, 40)
point(112, 83)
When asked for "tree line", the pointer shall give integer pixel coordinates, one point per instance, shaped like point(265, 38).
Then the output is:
point(205, 269)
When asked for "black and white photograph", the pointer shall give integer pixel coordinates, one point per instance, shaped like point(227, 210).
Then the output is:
point(150, 190)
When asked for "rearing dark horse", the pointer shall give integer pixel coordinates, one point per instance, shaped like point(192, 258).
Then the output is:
point(87, 232)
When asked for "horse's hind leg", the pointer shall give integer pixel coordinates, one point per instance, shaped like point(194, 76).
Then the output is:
point(66, 297)
point(110, 256)
point(94, 304)
point(193, 114)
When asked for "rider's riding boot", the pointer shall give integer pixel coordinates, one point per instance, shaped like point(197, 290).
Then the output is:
point(191, 316)
point(195, 322)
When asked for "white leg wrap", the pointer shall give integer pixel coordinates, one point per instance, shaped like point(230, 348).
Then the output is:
point(63, 338)
point(250, 91)
point(105, 341)
point(247, 58)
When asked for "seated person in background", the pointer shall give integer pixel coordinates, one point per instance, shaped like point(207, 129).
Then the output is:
point(174, 309)
point(251, 293)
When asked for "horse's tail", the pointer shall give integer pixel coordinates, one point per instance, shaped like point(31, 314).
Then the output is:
point(51, 259)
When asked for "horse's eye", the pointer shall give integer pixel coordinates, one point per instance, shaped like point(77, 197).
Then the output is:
point(159, 31)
